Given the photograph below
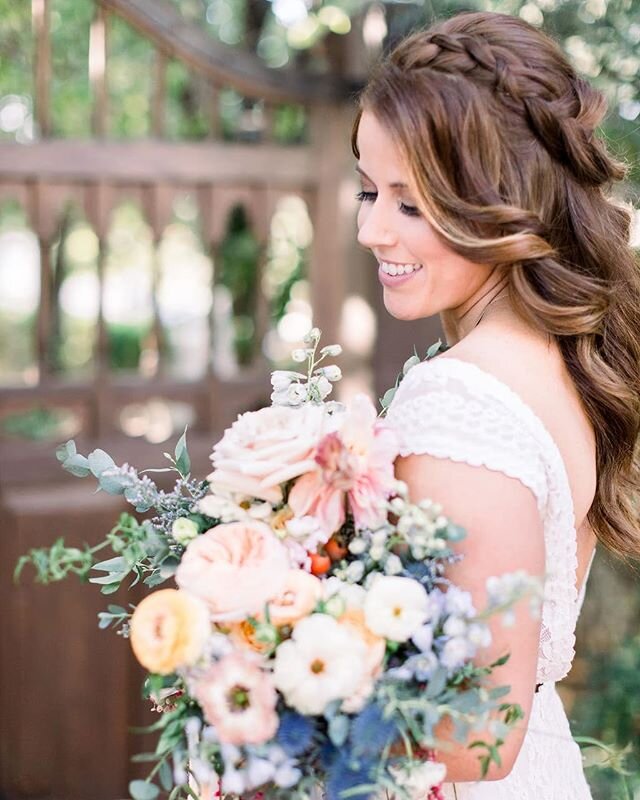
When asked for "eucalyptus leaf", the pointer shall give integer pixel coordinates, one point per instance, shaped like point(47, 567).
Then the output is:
point(99, 461)
point(143, 790)
point(77, 465)
point(117, 564)
point(339, 729)
point(409, 363)
point(66, 450)
point(386, 399)
point(434, 349)
point(113, 484)
point(165, 775)
point(183, 462)
point(436, 684)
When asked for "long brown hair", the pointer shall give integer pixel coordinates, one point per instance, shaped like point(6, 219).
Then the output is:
point(497, 130)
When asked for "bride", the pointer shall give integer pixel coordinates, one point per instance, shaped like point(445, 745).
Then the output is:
point(484, 199)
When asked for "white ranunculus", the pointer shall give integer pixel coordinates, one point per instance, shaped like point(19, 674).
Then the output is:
point(321, 662)
point(395, 607)
point(422, 778)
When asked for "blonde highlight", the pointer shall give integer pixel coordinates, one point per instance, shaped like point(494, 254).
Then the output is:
point(498, 134)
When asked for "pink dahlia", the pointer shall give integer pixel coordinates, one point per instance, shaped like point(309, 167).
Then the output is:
point(354, 463)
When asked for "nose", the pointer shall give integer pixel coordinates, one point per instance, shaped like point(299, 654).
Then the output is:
point(373, 230)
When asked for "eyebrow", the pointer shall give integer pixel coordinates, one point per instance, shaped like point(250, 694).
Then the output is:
point(395, 185)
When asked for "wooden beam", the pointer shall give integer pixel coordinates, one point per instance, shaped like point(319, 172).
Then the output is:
point(152, 161)
point(98, 72)
point(41, 24)
point(162, 24)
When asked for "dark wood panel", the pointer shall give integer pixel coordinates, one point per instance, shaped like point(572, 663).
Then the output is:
point(69, 692)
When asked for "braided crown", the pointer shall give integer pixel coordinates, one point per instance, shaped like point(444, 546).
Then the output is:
point(561, 109)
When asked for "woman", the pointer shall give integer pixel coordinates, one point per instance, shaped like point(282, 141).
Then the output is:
point(484, 199)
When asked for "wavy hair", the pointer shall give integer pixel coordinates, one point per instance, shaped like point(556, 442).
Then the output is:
point(498, 133)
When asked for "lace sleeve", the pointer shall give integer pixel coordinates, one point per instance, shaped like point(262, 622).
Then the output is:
point(451, 409)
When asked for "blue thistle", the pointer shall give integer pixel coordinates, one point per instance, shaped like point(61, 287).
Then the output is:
point(295, 733)
point(371, 732)
point(344, 774)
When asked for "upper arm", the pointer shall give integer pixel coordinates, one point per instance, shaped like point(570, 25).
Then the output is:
point(504, 534)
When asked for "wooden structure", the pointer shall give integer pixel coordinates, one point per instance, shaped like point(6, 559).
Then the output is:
point(68, 691)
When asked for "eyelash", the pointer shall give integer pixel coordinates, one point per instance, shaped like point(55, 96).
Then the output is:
point(368, 197)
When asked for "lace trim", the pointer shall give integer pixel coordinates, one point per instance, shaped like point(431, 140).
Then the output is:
point(454, 409)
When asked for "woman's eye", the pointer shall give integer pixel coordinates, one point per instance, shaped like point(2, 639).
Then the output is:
point(369, 197)
point(410, 211)
point(366, 197)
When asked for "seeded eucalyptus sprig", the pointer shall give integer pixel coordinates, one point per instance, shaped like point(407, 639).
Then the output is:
point(434, 350)
point(143, 550)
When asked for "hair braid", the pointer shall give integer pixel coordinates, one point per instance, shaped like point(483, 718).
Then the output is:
point(564, 123)
point(498, 132)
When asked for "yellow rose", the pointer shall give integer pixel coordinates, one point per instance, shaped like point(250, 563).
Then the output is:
point(168, 629)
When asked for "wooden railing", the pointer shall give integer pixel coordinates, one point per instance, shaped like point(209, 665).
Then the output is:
point(96, 175)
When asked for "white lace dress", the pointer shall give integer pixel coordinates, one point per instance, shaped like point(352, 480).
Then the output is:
point(452, 409)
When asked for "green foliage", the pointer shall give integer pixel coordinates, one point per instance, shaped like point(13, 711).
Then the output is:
point(611, 712)
point(38, 423)
point(432, 352)
point(240, 253)
point(139, 549)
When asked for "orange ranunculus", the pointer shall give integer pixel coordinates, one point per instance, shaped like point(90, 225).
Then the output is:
point(297, 599)
point(168, 629)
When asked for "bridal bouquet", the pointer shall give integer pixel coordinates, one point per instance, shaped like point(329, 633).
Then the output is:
point(308, 636)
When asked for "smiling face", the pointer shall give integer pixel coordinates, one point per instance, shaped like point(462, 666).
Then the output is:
point(438, 280)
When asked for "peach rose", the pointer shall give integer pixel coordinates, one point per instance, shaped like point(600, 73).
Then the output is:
point(297, 599)
point(235, 568)
point(169, 629)
point(265, 448)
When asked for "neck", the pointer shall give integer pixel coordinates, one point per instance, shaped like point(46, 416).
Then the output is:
point(487, 301)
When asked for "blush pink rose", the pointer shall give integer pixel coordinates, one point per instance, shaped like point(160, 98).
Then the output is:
point(354, 464)
point(235, 568)
point(265, 448)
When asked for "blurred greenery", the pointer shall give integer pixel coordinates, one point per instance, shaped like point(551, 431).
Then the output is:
point(612, 714)
point(602, 38)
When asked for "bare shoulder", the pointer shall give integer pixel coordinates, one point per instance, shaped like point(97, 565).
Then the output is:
point(525, 360)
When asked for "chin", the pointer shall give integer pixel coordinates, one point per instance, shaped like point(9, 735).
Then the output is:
point(405, 311)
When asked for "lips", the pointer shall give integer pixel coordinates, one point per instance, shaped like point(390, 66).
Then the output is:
point(396, 280)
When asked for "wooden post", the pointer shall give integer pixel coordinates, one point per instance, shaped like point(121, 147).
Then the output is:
point(98, 208)
point(159, 90)
point(333, 223)
point(215, 121)
point(41, 24)
point(45, 311)
point(98, 72)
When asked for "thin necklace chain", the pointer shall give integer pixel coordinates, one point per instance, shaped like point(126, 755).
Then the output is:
point(484, 310)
